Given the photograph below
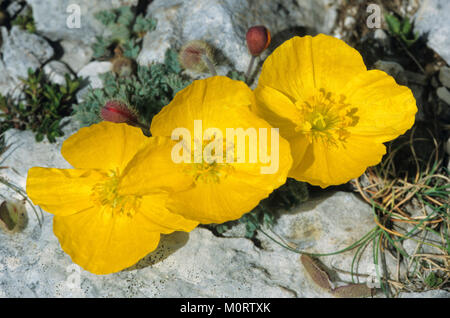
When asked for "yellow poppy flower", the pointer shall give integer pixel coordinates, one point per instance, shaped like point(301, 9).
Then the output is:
point(334, 113)
point(231, 183)
point(104, 218)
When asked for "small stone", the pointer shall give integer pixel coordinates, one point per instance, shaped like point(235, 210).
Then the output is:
point(444, 76)
point(444, 94)
point(14, 8)
point(349, 22)
point(416, 78)
point(56, 72)
point(91, 72)
point(380, 35)
point(394, 69)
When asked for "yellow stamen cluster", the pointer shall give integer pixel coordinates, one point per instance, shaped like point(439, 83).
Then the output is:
point(326, 116)
point(209, 172)
point(106, 195)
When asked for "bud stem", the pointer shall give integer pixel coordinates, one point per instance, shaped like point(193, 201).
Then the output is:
point(250, 68)
point(210, 65)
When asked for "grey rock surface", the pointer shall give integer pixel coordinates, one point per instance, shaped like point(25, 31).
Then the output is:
point(432, 20)
point(328, 224)
point(224, 24)
point(51, 18)
point(444, 94)
point(444, 76)
point(427, 294)
point(90, 73)
point(22, 50)
point(56, 71)
point(76, 55)
point(6, 82)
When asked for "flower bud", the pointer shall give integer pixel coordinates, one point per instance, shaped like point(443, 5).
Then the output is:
point(258, 39)
point(123, 66)
point(118, 112)
point(194, 54)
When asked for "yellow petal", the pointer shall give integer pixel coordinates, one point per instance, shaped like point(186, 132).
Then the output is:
point(209, 100)
point(277, 109)
point(223, 191)
point(299, 146)
point(158, 218)
point(102, 243)
point(62, 191)
point(103, 146)
point(217, 203)
point(325, 165)
point(303, 65)
point(385, 109)
point(236, 194)
point(152, 170)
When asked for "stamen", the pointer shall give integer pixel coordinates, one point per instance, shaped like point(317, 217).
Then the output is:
point(326, 116)
point(106, 194)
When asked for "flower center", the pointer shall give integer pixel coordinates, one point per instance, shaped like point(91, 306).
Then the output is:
point(106, 194)
point(209, 171)
point(326, 116)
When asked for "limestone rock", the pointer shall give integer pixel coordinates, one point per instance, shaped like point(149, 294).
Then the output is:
point(444, 94)
point(51, 18)
point(444, 76)
point(91, 74)
point(330, 224)
point(56, 71)
point(224, 24)
point(22, 50)
point(76, 55)
point(427, 294)
point(432, 20)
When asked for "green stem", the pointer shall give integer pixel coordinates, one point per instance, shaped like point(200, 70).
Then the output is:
point(357, 243)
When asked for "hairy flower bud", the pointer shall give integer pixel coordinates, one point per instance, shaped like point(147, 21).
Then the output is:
point(258, 39)
point(195, 55)
point(123, 66)
point(118, 112)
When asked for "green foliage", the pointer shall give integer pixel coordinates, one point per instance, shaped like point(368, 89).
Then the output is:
point(432, 280)
point(236, 75)
point(125, 30)
point(41, 109)
point(131, 49)
point(143, 25)
point(25, 22)
point(401, 29)
point(146, 92)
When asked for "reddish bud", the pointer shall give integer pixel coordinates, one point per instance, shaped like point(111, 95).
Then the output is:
point(118, 112)
point(258, 39)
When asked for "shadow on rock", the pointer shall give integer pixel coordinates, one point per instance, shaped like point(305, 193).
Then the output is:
point(168, 245)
